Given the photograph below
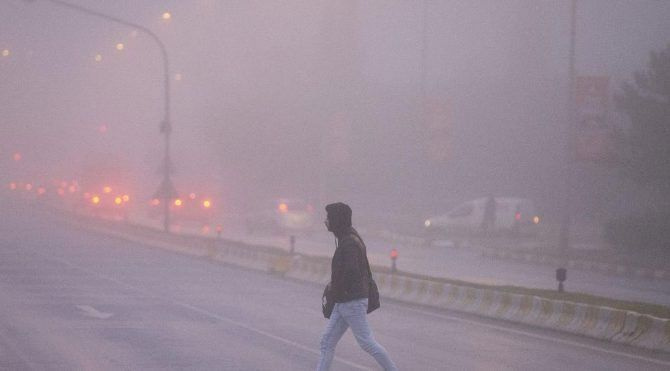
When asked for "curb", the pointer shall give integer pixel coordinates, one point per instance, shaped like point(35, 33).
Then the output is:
point(604, 268)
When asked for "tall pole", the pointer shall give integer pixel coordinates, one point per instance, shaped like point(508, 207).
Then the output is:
point(166, 125)
point(564, 238)
point(424, 41)
point(420, 177)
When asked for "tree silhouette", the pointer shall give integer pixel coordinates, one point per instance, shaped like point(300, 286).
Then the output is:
point(646, 101)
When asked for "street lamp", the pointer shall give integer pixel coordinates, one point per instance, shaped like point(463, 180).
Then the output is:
point(166, 190)
point(564, 232)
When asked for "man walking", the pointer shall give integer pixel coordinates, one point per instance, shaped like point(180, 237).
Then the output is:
point(349, 290)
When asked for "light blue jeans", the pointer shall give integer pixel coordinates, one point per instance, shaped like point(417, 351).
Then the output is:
point(351, 314)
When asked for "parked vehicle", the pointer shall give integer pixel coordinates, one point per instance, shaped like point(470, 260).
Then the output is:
point(485, 216)
point(282, 216)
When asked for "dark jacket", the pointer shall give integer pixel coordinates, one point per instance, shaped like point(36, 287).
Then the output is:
point(349, 269)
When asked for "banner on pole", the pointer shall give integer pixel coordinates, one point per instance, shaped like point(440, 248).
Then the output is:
point(438, 129)
point(596, 137)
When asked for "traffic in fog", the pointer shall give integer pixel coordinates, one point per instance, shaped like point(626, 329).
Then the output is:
point(507, 153)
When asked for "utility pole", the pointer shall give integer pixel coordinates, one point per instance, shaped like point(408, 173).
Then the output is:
point(564, 237)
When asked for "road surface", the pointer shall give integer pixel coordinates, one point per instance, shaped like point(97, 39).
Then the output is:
point(78, 300)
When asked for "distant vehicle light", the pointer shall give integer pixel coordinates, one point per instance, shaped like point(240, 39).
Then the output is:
point(126, 198)
point(205, 229)
point(87, 195)
point(29, 187)
point(95, 200)
point(517, 216)
point(41, 191)
point(72, 189)
point(427, 223)
point(191, 196)
point(118, 200)
point(12, 186)
point(283, 208)
point(207, 204)
point(177, 202)
point(155, 202)
point(63, 184)
point(17, 156)
point(107, 189)
point(61, 192)
point(536, 219)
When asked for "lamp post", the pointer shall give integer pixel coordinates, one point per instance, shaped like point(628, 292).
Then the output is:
point(166, 189)
point(564, 233)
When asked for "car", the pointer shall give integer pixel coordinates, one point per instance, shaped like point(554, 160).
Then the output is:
point(195, 208)
point(103, 187)
point(105, 201)
point(282, 216)
point(508, 215)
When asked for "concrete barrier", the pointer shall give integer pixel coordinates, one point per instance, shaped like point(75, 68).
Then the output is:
point(593, 321)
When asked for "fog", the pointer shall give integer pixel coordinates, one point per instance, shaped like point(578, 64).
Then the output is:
point(321, 100)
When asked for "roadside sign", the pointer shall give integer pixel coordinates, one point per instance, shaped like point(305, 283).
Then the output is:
point(437, 120)
point(595, 135)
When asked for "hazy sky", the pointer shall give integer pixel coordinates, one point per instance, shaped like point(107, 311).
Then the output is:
point(315, 99)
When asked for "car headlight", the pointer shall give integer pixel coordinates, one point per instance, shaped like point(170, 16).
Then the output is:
point(427, 223)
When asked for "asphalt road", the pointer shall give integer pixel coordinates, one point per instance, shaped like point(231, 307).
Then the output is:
point(77, 300)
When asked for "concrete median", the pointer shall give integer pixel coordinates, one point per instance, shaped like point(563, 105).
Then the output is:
point(588, 320)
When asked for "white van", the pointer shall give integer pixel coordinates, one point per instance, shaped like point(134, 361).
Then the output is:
point(510, 215)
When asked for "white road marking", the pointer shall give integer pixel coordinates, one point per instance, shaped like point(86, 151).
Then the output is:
point(265, 333)
point(206, 313)
point(542, 337)
point(92, 312)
